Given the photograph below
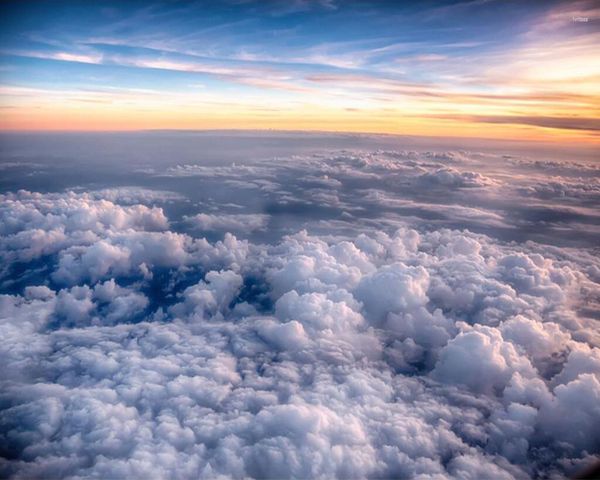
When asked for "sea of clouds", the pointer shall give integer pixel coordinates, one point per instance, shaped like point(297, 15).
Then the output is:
point(379, 314)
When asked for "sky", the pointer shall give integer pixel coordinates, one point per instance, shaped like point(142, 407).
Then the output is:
point(215, 263)
point(473, 68)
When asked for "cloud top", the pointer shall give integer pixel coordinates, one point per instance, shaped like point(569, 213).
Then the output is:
point(433, 354)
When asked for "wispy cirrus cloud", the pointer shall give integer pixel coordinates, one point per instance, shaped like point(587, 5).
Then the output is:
point(561, 123)
point(368, 77)
point(63, 56)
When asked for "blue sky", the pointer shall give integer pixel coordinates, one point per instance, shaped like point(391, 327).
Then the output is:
point(341, 64)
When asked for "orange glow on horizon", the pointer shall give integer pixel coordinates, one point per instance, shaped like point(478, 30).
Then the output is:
point(122, 119)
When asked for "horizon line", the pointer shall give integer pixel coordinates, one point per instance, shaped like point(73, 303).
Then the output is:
point(587, 142)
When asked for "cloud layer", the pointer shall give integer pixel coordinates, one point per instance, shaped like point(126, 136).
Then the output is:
point(134, 350)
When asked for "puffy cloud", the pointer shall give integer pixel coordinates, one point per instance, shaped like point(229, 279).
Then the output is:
point(393, 288)
point(95, 239)
point(309, 264)
point(544, 342)
point(572, 414)
point(285, 336)
point(480, 359)
point(33, 225)
point(582, 359)
point(209, 297)
point(122, 254)
point(318, 312)
point(74, 212)
point(450, 177)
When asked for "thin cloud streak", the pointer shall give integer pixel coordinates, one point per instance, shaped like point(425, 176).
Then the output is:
point(561, 123)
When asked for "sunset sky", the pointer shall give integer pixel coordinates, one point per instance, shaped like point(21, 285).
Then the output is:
point(299, 239)
point(477, 68)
